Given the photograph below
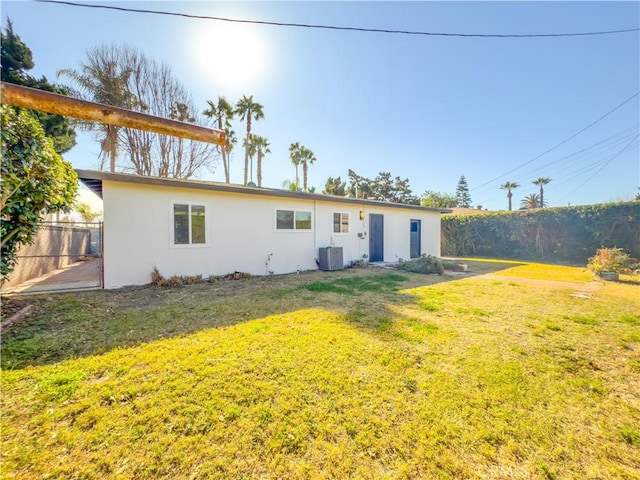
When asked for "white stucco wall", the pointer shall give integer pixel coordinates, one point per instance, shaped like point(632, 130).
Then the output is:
point(396, 230)
point(240, 231)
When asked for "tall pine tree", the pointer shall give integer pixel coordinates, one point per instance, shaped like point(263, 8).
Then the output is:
point(463, 196)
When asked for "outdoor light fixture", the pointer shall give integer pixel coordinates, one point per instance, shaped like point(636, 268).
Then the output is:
point(361, 214)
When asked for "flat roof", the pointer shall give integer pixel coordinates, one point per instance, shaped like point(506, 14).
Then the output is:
point(93, 180)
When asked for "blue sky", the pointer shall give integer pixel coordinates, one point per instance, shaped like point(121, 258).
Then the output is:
point(425, 108)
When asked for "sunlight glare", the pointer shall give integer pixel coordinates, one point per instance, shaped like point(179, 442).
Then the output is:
point(230, 54)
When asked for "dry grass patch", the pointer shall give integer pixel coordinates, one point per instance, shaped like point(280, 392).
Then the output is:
point(355, 374)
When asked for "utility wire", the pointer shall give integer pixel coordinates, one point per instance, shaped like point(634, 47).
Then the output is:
point(570, 171)
point(580, 157)
point(559, 144)
point(334, 27)
point(602, 143)
point(602, 168)
point(585, 165)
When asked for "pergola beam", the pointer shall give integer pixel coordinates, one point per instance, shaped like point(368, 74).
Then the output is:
point(26, 97)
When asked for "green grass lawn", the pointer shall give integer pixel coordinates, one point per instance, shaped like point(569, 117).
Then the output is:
point(365, 373)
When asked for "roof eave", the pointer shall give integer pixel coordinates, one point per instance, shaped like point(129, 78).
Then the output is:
point(93, 180)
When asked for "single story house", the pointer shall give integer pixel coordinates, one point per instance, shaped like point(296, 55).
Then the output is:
point(187, 227)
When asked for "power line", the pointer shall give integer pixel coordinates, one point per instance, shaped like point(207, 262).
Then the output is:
point(559, 144)
point(591, 150)
point(569, 172)
point(588, 162)
point(571, 168)
point(334, 27)
point(602, 168)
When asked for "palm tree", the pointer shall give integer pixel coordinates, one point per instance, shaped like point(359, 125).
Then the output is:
point(248, 110)
point(540, 182)
point(222, 112)
point(508, 186)
point(100, 80)
point(294, 155)
point(250, 147)
point(301, 155)
point(230, 141)
point(531, 201)
point(306, 159)
point(262, 148)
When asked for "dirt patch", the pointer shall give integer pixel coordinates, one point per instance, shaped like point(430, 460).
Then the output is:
point(15, 311)
point(11, 306)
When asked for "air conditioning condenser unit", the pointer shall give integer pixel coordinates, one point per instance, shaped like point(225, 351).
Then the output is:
point(330, 258)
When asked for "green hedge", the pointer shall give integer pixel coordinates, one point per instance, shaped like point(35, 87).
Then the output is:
point(567, 234)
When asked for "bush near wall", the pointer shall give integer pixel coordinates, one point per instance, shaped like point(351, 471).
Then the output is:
point(567, 234)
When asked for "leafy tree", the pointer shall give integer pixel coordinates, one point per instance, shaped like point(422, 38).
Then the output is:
point(248, 111)
point(383, 188)
point(261, 146)
point(396, 190)
point(289, 185)
point(508, 186)
point(335, 186)
point(16, 59)
point(438, 199)
point(531, 201)
point(122, 76)
point(222, 112)
point(34, 181)
point(16, 56)
point(180, 111)
point(540, 182)
point(463, 196)
point(359, 186)
point(86, 213)
point(638, 196)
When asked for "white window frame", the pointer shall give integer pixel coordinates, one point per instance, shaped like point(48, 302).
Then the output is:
point(294, 229)
point(348, 215)
point(189, 203)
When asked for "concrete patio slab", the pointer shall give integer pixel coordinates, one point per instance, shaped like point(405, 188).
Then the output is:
point(84, 275)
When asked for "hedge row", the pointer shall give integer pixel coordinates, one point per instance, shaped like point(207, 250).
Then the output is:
point(567, 234)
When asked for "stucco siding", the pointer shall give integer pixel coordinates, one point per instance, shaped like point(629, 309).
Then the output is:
point(397, 225)
point(240, 233)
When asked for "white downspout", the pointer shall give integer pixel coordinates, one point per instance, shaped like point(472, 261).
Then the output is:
point(315, 231)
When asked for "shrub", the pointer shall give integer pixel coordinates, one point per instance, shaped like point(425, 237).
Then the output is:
point(176, 280)
point(34, 181)
point(424, 264)
point(614, 260)
point(564, 234)
point(454, 265)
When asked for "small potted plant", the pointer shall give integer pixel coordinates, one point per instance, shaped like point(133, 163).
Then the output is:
point(609, 263)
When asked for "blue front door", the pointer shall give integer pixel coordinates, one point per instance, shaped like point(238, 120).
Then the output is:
point(376, 237)
point(414, 239)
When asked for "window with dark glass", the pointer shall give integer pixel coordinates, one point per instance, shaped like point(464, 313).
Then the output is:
point(284, 219)
point(180, 224)
point(188, 224)
point(293, 220)
point(340, 222)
